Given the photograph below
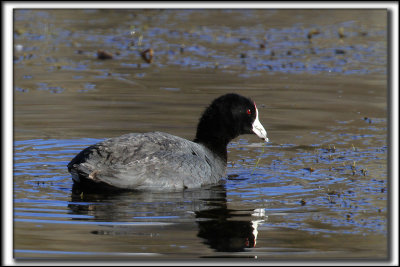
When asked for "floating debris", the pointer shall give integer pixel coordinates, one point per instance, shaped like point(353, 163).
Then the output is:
point(140, 40)
point(341, 33)
point(312, 32)
point(303, 202)
point(272, 54)
point(104, 55)
point(353, 168)
point(147, 55)
point(354, 148)
point(258, 160)
point(368, 120)
point(364, 171)
point(331, 200)
point(340, 52)
point(19, 31)
point(232, 176)
point(310, 169)
point(332, 149)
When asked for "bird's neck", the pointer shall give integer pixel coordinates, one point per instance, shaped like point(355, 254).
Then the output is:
point(216, 144)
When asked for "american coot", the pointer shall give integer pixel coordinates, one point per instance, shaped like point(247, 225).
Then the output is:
point(160, 161)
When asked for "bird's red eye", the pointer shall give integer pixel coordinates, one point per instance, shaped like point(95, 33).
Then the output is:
point(248, 111)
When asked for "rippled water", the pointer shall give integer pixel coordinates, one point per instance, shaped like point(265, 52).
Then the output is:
point(317, 191)
point(278, 208)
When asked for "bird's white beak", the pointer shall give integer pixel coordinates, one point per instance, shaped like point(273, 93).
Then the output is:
point(258, 129)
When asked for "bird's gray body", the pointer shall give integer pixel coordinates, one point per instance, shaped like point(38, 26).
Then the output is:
point(148, 161)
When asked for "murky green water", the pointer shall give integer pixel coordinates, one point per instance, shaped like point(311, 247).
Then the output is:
point(319, 190)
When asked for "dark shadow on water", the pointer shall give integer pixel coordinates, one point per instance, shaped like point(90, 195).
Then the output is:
point(220, 228)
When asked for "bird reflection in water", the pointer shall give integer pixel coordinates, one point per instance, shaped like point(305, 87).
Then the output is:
point(221, 228)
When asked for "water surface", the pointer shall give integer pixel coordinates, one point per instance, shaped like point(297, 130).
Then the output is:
point(318, 190)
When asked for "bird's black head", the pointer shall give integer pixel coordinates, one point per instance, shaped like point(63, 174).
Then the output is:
point(227, 117)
